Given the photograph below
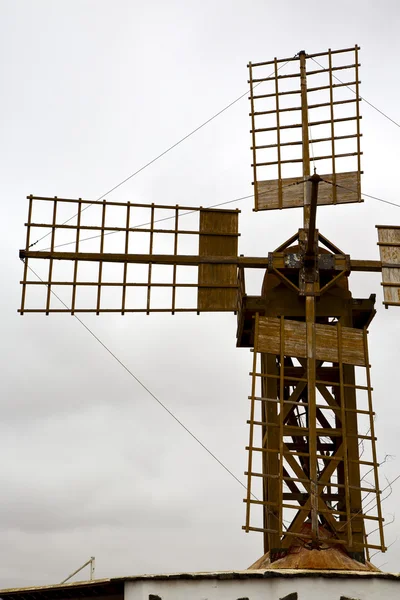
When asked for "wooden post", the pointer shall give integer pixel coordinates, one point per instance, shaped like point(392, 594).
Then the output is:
point(271, 443)
point(311, 205)
point(304, 129)
point(310, 266)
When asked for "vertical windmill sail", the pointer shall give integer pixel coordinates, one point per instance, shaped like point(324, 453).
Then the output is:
point(308, 117)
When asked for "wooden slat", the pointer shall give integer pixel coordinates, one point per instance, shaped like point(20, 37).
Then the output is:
point(50, 274)
point(123, 229)
point(124, 204)
point(358, 121)
point(218, 245)
point(340, 68)
point(76, 262)
point(326, 341)
point(373, 445)
point(339, 336)
point(103, 223)
point(251, 438)
point(253, 131)
point(27, 246)
point(128, 216)
point(315, 141)
point(128, 284)
point(294, 108)
point(331, 104)
point(175, 254)
point(311, 124)
point(297, 160)
point(294, 58)
point(278, 141)
point(293, 195)
point(150, 265)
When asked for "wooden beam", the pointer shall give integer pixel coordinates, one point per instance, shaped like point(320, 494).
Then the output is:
point(161, 259)
point(249, 262)
point(374, 266)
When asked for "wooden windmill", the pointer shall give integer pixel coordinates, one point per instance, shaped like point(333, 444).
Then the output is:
point(311, 387)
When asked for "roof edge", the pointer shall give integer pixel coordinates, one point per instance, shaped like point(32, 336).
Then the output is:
point(221, 575)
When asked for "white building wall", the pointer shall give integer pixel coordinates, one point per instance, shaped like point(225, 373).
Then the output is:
point(276, 588)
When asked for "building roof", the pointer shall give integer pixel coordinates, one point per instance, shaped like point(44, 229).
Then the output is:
point(114, 587)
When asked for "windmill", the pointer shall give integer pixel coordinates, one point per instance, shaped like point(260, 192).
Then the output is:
point(311, 385)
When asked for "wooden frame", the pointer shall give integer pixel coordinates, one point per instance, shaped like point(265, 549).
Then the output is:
point(215, 281)
point(389, 248)
point(284, 438)
point(279, 127)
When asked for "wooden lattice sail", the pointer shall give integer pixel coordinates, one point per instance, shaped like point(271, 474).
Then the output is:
point(214, 234)
point(312, 463)
point(306, 116)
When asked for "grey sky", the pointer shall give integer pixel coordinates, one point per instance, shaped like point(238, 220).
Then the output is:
point(91, 90)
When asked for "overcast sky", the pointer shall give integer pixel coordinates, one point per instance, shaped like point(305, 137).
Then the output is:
point(91, 91)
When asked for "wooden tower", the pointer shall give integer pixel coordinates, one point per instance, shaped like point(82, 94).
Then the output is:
point(312, 440)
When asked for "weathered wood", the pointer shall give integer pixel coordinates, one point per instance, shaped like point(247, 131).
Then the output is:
point(272, 193)
point(315, 141)
point(295, 58)
point(293, 194)
point(253, 131)
point(219, 244)
point(125, 204)
point(248, 262)
point(251, 442)
point(389, 248)
point(371, 266)
point(326, 341)
point(271, 463)
point(300, 160)
point(76, 262)
point(161, 259)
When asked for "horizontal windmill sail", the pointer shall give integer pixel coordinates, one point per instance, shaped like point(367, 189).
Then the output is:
point(163, 266)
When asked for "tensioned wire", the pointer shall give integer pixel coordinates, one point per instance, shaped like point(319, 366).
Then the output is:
point(126, 368)
point(93, 237)
point(360, 97)
point(184, 138)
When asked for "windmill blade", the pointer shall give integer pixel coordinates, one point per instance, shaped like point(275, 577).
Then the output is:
point(173, 269)
point(389, 248)
point(309, 117)
point(282, 433)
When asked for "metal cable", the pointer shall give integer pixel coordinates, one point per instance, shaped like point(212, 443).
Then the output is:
point(189, 212)
point(360, 513)
point(360, 97)
point(123, 365)
point(163, 153)
point(356, 192)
